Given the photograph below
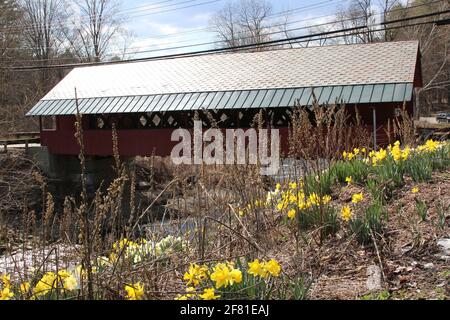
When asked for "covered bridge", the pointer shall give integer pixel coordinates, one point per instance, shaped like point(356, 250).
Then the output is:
point(148, 100)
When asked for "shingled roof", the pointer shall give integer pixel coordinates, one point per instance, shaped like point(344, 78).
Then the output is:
point(389, 63)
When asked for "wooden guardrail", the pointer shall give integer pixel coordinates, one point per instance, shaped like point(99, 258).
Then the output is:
point(19, 138)
point(438, 131)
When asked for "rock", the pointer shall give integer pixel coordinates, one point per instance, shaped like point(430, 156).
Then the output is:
point(428, 266)
point(373, 278)
point(444, 246)
point(406, 249)
point(143, 185)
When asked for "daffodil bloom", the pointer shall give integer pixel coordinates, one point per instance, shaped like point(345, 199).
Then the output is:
point(209, 294)
point(273, 267)
point(346, 213)
point(301, 205)
point(220, 275)
point(315, 199)
point(70, 283)
point(190, 292)
point(25, 287)
point(255, 268)
point(6, 294)
point(429, 146)
point(349, 180)
point(195, 274)
point(47, 283)
point(350, 156)
point(225, 274)
point(291, 214)
point(357, 198)
point(134, 291)
point(235, 276)
point(415, 190)
point(293, 185)
point(405, 154)
point(326, 199)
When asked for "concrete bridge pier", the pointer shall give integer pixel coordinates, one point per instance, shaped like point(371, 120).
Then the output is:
point(66, 169)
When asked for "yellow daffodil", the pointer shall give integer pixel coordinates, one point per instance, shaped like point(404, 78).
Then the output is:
point(415, 190)
point(235, 276)
point(134, 291)
point(6, 293)
point(357, 198)
point(346, 213)
point(349, 180)
point(264, 269)
point(429, 146)
point(24, 287)
point(47, 284)
point(314, 199)
point(196, 274)
point(255, 268)
point(273, 267)
point(291, 214)
point(209, 294)
point(225, 274)
point(326, 199)
point(6, 280)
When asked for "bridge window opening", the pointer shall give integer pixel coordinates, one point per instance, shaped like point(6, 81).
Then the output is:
point(48, 123)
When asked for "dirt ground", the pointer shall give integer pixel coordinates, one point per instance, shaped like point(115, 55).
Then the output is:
point(413, 265)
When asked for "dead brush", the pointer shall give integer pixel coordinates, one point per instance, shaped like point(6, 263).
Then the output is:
point(324, 131)
point(402, 128)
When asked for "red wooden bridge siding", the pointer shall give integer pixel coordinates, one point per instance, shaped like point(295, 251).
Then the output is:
point(147, 142)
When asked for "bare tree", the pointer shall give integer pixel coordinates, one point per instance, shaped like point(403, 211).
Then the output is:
point(226, 24)
point(93, 33)
point(40, 28)
point(359, 14)
point(243, 22)
point(388, 6)
point(435, 50)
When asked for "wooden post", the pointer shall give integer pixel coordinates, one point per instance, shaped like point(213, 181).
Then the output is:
point(416, 104)
point(374, 123)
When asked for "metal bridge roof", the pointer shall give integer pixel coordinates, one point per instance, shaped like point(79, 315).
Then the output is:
point(237, 99)
point(362, 73)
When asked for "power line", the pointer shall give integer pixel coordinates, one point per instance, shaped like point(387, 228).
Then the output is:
point(90, 18)
point(124, 53)
point(242, 47)
point(224, 41)
point(209, 43)
point(195, 30)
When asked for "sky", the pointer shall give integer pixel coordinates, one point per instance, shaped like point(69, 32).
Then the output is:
point(156, 25)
